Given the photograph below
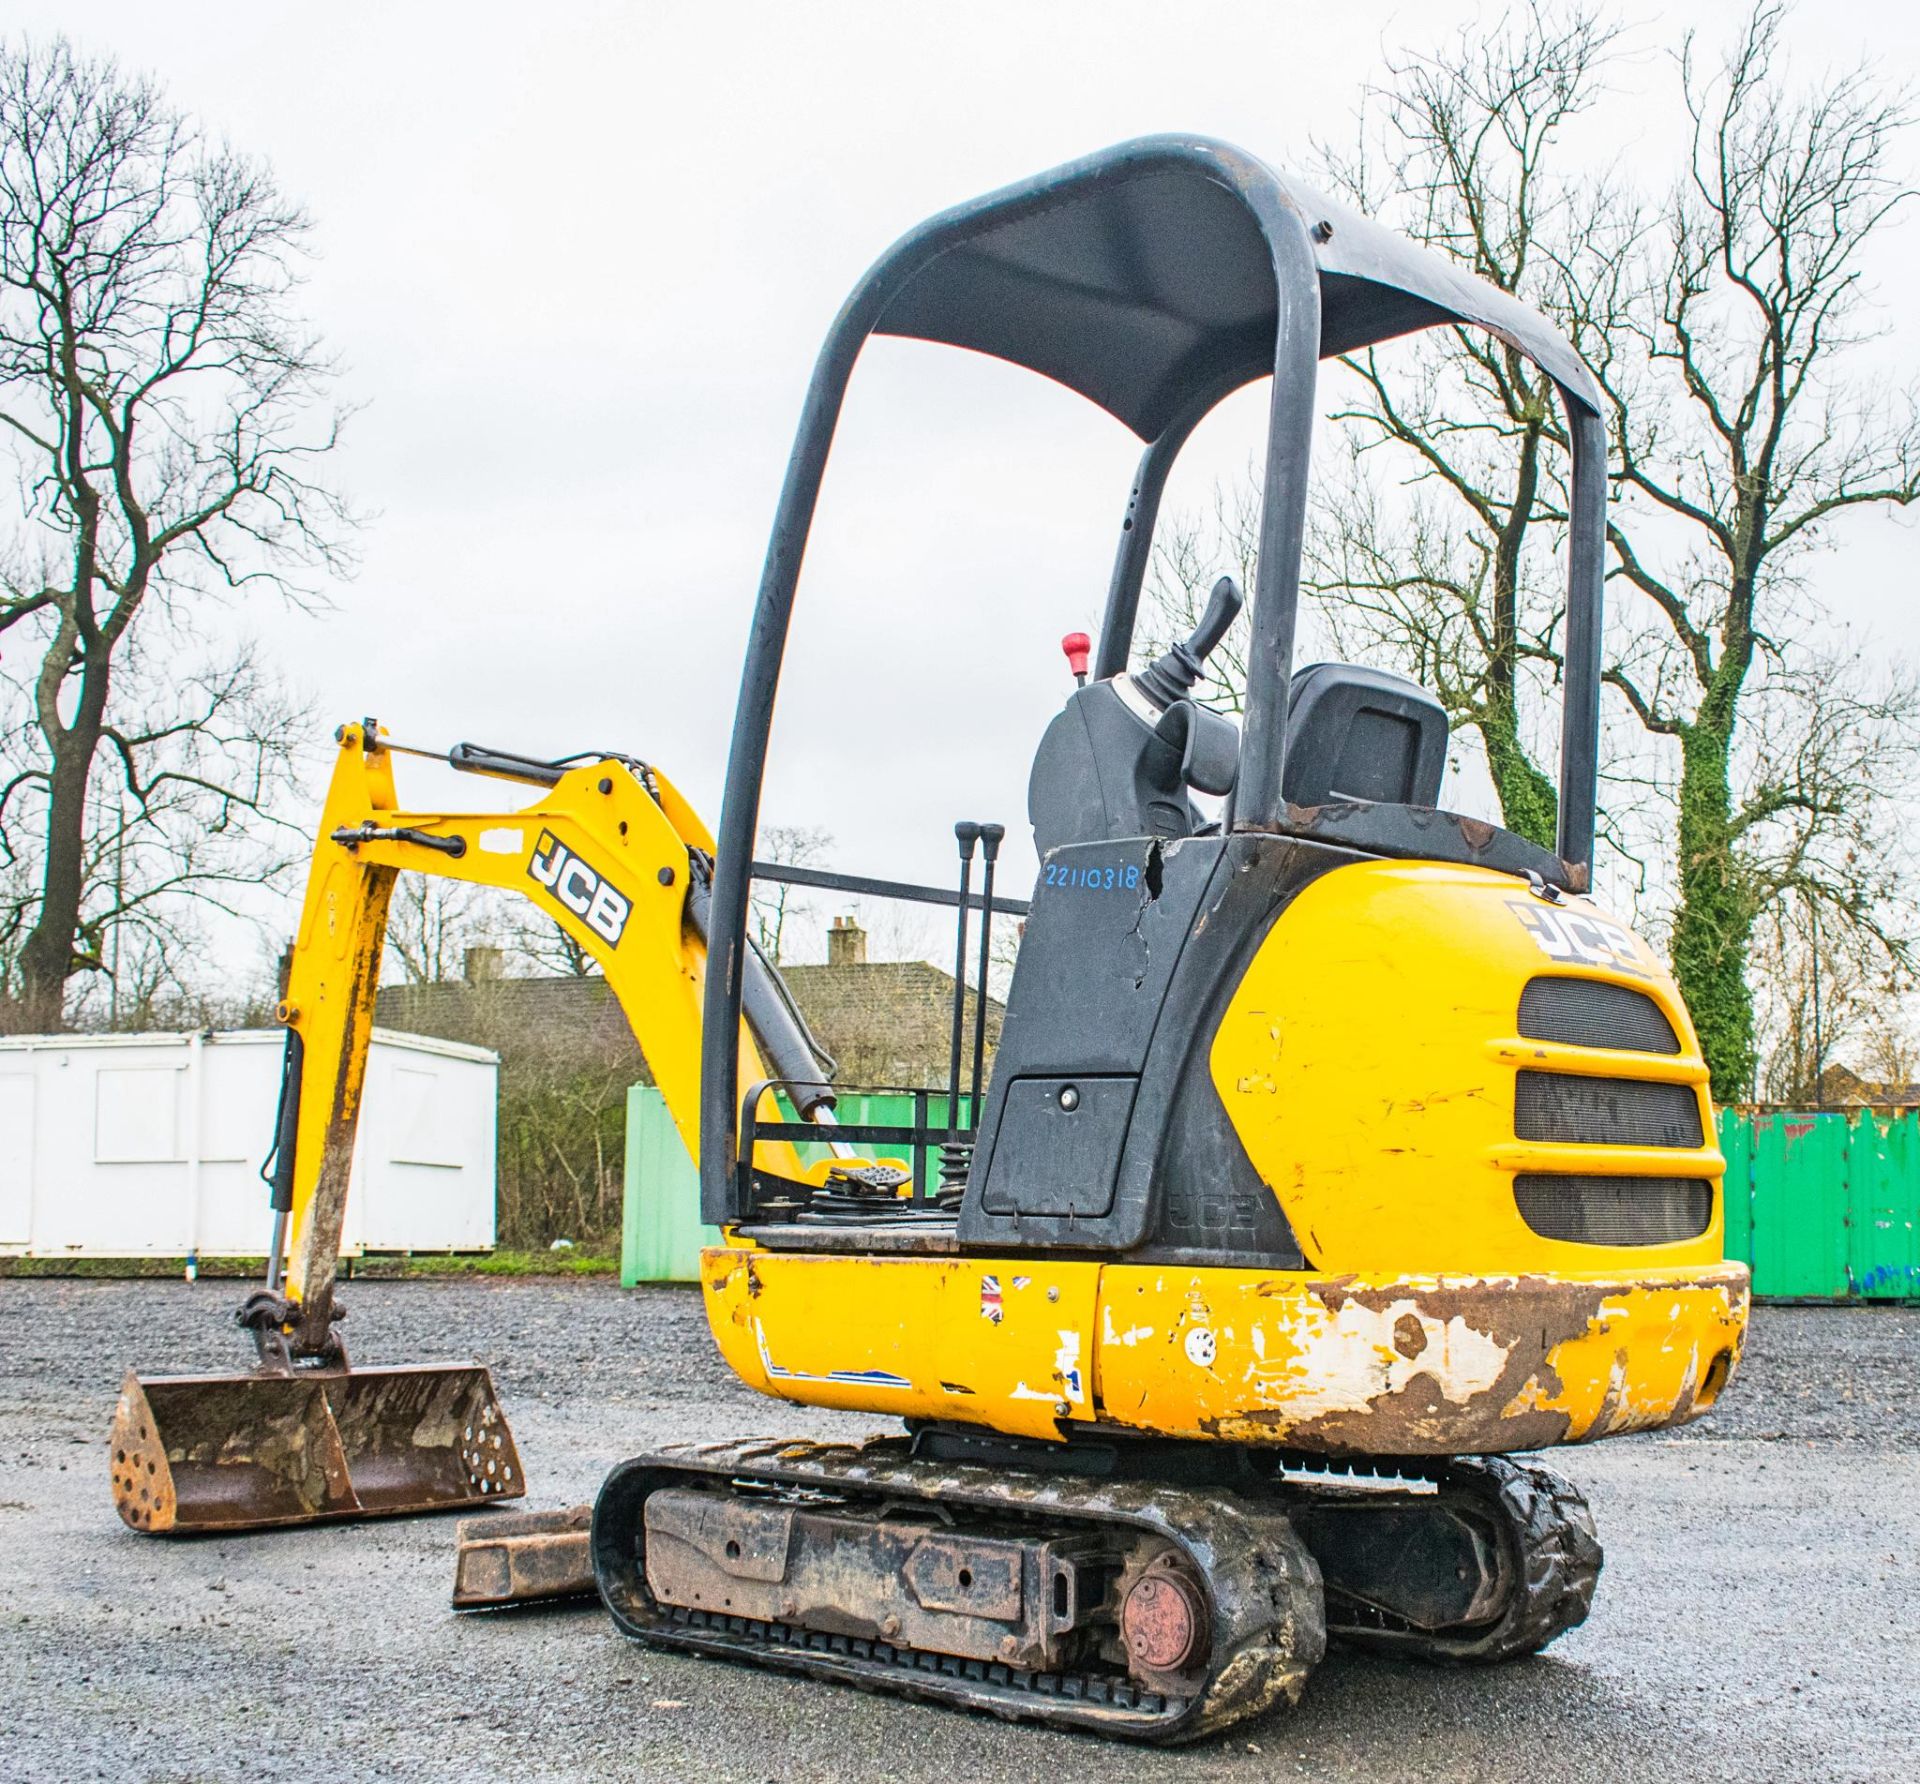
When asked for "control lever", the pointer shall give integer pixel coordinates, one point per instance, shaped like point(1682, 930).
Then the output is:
point(1078, 647)
point(967, 834)
point(990, 839)
point(1174, 676)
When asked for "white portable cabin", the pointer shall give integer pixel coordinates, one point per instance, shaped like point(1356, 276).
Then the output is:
point(150, 1145)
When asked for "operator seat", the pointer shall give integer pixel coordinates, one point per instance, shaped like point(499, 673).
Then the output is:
point(1362, 734)
point(1115, 764)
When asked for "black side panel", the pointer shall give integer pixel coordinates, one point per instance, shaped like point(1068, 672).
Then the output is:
point(1096, 993)
point(1103, 939)
point(1184, 1164)
point(1209, 1203)
point(1077, 1125)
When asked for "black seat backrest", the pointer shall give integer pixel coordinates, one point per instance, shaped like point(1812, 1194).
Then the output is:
point(1356, 733)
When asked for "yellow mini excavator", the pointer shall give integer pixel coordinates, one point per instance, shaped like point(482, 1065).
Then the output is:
point(1335, 1150)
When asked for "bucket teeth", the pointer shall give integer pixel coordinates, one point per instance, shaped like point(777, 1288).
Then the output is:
point(243, 1452)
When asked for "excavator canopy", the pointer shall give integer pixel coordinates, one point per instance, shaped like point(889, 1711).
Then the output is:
point(1154, 278)
point(1145, 275)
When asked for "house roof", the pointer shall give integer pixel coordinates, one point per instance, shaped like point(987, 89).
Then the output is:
point(1841, 1084)
point(886, 1022)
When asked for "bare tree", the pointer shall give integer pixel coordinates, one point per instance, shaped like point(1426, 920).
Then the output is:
point(551, 950)
point(1724, 325)
point(163, 408)
point(791, 845)
point(1888, 1051)
point(432, 922)
point(1826, 996)
point(1440, 529)
point(183, 823)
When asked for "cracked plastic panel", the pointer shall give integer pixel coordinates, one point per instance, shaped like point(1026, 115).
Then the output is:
point(1129, 957)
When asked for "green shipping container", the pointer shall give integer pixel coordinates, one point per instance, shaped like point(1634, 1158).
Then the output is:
point(1824, 1206)
point(660, 1230)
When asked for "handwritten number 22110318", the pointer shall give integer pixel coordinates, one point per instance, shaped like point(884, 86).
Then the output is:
point(1124, 878)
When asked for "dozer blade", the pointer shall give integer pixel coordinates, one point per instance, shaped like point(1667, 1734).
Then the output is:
point(524, 1557)
point(194, 1453)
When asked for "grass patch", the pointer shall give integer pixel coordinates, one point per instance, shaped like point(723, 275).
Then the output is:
point(497, 1263)
point(360, 1269)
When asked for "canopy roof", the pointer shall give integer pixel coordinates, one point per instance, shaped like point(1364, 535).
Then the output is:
point(1144, 278)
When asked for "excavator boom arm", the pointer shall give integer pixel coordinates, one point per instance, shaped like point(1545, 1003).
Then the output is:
point(613, 854)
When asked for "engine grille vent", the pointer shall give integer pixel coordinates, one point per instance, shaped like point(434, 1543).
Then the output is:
point(1615, 1210)
point(1564, 1109)
point(1592, 1013)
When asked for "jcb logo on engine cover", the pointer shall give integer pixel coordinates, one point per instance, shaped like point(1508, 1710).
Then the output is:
point(586, 893)
point(1580, 938)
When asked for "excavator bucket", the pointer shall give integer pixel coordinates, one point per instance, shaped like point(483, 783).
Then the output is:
point(194, 1453)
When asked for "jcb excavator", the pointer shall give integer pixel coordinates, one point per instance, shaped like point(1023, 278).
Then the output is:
point(1334, 1151)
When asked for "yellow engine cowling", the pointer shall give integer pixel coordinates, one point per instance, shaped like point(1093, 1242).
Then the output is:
point(1373, 1065)
point(1371, 1062)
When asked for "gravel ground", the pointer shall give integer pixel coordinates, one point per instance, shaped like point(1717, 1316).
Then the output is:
point(1758, 1617)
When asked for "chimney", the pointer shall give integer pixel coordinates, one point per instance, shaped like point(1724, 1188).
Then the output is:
point(846, 943)
point(484, 964)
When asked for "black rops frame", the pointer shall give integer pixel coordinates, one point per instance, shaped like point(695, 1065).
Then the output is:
point(1155, 278)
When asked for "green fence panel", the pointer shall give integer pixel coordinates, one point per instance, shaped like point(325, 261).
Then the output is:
point(1800, 1205)
point(1824, 1206)
point(1884, 1173)
point(1736, 1141)
point(660, 1230)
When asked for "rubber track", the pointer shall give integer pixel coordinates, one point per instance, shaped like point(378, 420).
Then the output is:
point(1265, 1590)
point(1552, 1547)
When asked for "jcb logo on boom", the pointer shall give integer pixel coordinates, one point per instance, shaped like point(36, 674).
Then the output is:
point(586, 893)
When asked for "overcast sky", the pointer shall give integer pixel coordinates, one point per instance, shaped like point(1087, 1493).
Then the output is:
point(577, 259)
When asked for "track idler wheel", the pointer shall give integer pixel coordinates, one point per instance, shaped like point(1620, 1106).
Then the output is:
point(1556, 1553)
point(1518, 1538)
